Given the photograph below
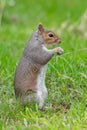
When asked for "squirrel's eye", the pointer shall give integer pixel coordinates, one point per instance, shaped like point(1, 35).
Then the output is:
point(50, 35)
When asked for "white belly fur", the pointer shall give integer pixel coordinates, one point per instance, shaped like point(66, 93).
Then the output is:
point(41, 93)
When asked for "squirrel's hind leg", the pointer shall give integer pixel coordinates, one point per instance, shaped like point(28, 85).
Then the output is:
point(41, 104)
point(39, 99)
point(27, 99)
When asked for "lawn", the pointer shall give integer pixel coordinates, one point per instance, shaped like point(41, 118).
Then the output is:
point(66, 76)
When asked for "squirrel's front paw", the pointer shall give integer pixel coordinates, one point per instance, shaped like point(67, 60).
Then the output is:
point(59, 51)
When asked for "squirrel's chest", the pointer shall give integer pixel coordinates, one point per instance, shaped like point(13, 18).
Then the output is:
point(41, 78)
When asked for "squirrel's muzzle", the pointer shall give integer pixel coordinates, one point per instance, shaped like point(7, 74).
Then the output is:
point(59, 41)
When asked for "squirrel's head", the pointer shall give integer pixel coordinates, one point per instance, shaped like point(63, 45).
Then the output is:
point(49, 37)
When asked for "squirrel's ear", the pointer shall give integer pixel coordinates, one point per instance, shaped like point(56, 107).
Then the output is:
point(40, 28)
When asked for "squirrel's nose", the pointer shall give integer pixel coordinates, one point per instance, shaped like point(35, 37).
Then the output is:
point(59, 41)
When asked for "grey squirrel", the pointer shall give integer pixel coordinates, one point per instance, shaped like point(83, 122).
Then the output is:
point(29, 80)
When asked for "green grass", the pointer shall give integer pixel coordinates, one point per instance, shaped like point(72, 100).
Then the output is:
point(66, 77)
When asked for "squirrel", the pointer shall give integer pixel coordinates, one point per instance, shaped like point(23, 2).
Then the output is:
point(29, 79)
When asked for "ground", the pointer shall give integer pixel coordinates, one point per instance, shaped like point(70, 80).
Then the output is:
point(66, 77)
